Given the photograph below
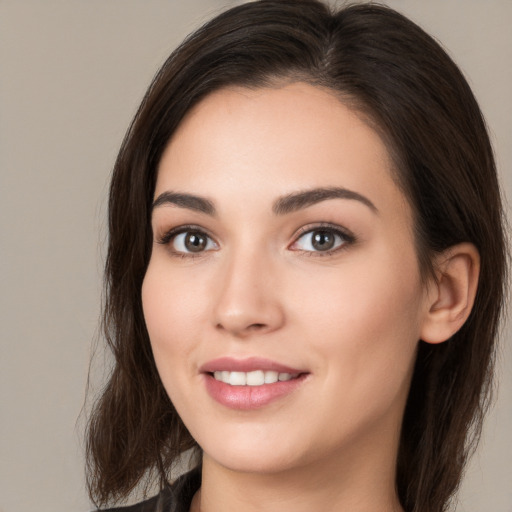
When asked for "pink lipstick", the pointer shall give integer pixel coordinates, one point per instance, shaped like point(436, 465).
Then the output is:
point(251, 383)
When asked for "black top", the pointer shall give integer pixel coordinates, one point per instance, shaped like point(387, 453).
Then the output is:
point(173, 498)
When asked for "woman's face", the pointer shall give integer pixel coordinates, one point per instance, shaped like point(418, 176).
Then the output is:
point(283, 296)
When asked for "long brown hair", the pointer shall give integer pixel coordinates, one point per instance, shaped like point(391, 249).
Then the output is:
point(394, 74)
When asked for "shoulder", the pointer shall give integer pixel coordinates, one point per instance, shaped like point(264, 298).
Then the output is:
point(173, 498)
point(151, 505)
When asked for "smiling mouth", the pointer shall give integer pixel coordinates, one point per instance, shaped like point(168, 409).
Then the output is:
point(253, 378)
point(251, 383)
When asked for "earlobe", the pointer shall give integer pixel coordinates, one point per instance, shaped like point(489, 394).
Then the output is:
point(452, 294)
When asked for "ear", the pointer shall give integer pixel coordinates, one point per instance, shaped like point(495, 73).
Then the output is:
point(451, 295)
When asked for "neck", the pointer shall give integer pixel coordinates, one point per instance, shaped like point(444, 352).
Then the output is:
point(365, 483)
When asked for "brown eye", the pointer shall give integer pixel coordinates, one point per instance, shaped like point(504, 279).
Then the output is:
point(188, 242)
point(322, 240)
point(195, 242)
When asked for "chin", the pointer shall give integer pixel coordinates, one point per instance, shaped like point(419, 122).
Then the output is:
point(253, 464)
point(252, 456)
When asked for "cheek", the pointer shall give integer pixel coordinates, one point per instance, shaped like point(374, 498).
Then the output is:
point(172, 309)
point(371, 300)
point(367, 318)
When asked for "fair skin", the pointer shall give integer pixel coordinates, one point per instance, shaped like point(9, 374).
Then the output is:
point(326, 284)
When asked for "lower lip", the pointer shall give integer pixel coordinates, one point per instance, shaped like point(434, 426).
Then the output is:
point(250, 397)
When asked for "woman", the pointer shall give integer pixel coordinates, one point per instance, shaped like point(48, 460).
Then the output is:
point(305, 270)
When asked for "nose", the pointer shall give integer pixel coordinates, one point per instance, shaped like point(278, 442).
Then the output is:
point(248, 301)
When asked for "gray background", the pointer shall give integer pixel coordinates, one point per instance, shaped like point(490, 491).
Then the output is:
point(72, 73)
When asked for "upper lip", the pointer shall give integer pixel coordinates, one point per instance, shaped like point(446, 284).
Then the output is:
point(249, 364)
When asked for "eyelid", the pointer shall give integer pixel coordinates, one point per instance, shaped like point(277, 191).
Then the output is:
point(167, 237)
point(348, 237)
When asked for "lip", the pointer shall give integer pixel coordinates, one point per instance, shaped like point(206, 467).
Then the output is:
point(250, 364)
point(249, 397)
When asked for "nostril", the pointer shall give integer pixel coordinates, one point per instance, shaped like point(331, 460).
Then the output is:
point(244, 330)
point(257, 326)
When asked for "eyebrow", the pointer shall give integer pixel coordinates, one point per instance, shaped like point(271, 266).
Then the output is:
point(299, 200)
point(189, 201)
point(282, 206)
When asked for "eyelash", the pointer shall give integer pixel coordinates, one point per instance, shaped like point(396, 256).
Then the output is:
point(346, 236)
point(170, 235)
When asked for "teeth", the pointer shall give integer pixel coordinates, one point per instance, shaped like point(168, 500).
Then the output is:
point(255, 378)
point(238, 378)
point(271, 377)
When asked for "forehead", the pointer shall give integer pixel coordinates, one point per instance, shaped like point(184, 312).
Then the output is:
point(238, 141)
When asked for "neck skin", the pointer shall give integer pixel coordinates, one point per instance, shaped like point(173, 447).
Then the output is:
point(358, 479)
